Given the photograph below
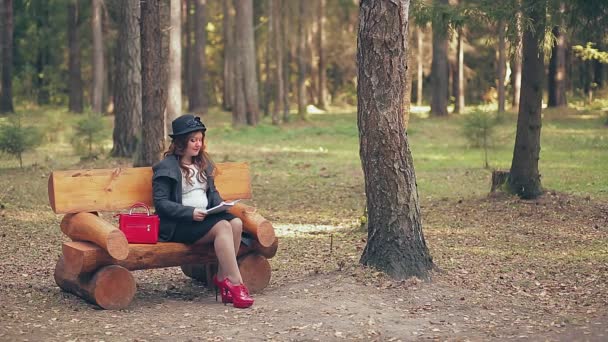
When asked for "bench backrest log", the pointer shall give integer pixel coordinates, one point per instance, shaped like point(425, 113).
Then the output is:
point(117, 189)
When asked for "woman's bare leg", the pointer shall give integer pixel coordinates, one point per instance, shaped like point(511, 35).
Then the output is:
point(237, 231)
point(222, 238)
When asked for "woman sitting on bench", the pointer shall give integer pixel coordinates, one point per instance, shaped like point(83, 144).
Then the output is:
point(183, 187)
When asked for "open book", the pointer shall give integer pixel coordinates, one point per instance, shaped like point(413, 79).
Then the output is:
point(221, 207)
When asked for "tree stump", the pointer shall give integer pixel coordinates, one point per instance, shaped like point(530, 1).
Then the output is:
point(499, 177)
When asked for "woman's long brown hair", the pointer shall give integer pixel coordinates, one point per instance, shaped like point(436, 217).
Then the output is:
point(201, 160)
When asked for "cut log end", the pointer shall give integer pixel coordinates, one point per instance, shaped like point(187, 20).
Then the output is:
point(114, 287)
point(111, 287)
point(266, 234)
point(255, 271)
point(117, 244)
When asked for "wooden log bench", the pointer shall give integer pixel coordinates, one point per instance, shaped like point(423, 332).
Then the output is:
point(96, 264)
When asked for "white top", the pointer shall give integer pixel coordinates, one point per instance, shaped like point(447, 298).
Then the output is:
point(195, 194)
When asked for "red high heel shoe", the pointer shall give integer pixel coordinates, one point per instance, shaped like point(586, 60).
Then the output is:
point(240, 295)
point(226, 296)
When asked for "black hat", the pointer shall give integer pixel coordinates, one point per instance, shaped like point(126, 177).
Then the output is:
point(186, 123)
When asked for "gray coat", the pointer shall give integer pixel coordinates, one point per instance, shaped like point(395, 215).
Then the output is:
point(167, 193)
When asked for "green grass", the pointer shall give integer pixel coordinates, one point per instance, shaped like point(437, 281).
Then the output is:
point(313, 167)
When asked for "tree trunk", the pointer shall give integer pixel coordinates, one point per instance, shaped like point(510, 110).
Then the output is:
point(229, 58)
point(420, 75)
point(154, 96)
point(75, 80)
point(127, 88)
point(502, 64)
point(286, 24)
point(278, 54)
point(268, 53)
point(187, 33)
point(395, 243)
point(439, 66)
point(42, 59)
point(459, 74)
point(198, 99)
point(98, 58)
point(246, 50)
point(174, 84)
point(516, 70)
point(557, 71)
point(322, 87)
point(301, 41)
point(6, 52)
point(524, 177)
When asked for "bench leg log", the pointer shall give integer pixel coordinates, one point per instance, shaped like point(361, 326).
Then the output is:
point(111, 287)
point(255, 270)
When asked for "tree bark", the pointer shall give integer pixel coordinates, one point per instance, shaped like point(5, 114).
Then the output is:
point(286, 24)
point(198, 100)
point(557, 71)
point(127, 88)
point(516, 70)
point(278, 54)
point(459, 74)
point(322, 87)
point(501, 68)
point(439, 66)
point(395, 243)
point(301, 41)
point(6, 52)
point(246, 63)
point(420, 74)
point(154, 97)
point(524, 177)
point(229, 58)
point(174, 84)
point(98, 57)
point(75, 103)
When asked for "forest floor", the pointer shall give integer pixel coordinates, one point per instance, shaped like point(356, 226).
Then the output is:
point(508, 269)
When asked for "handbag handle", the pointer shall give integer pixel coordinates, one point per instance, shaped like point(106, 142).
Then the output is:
point(139, 205)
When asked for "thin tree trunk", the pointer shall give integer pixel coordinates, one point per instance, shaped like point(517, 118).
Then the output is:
point(420, 74)
point(127, 89)
point(229, 58)
point(524, 177)
point(395, 243)
point(502, 64)
point(98, 57)
point(42, 59)
point(187, 52)
point(268, 81)
point(439, 67)
point(285, 23)
point(557, 71)
point(459, 74)
point(6, 52)
point(199, 101)
point(517, 56)
point(301, 40)
point(174, 84)
point(153, 95)
point(278, 53)
point(322, 87)
point(245, 43)
point(75, 80)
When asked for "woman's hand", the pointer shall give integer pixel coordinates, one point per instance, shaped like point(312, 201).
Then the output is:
point(198, 215)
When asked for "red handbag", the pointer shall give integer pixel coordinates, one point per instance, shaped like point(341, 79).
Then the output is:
point(139, 227)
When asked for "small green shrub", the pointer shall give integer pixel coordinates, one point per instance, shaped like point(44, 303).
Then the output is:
point(16, 139)
point(478, 129)
point(89, 132)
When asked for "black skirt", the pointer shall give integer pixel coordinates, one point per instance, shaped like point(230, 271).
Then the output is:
point(194, 230)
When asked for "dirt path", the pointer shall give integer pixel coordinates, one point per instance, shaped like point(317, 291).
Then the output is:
point(511, 270)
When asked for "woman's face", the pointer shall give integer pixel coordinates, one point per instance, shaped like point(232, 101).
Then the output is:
point(195, 143)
